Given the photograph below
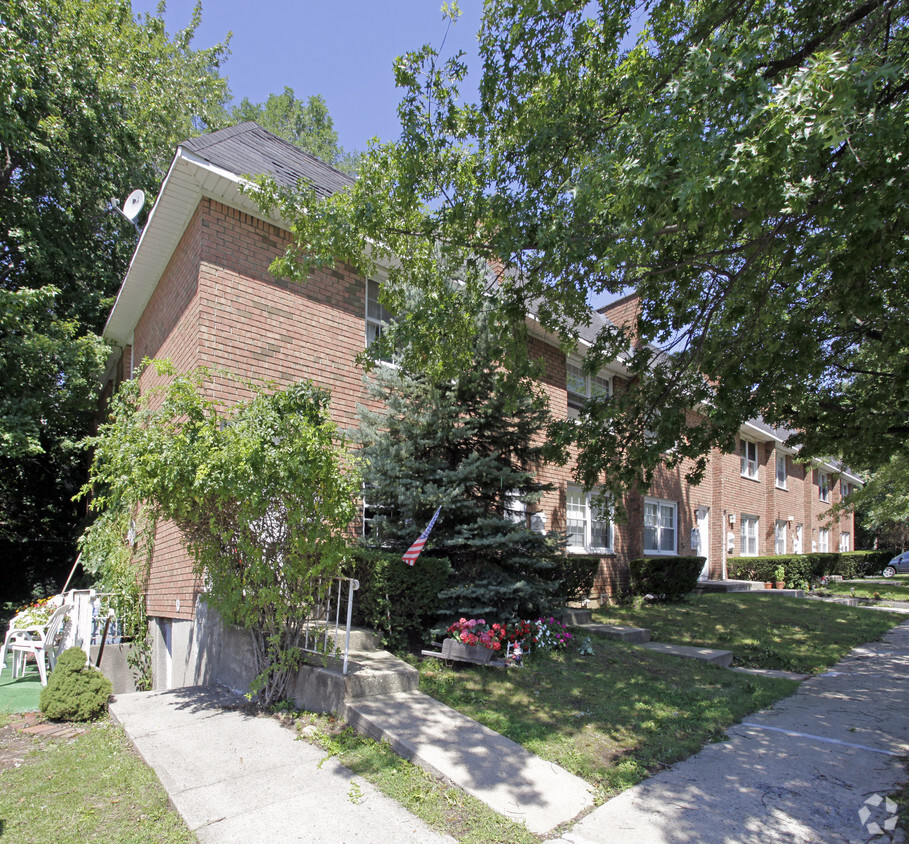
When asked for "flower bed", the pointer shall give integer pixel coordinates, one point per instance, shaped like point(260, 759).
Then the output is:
point(542, 634)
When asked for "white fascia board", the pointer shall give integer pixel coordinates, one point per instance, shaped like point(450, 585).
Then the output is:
point(188, 180)
point(752, 432)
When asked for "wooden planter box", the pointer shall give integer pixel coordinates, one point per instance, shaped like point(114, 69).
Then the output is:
point(471, 653)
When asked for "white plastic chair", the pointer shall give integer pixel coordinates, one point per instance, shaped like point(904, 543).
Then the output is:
point(46, 649)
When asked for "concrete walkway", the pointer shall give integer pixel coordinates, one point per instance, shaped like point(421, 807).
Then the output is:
point(799, 772)
point(238, 778)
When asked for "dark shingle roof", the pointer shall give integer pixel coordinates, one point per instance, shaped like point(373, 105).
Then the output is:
point(250, 150)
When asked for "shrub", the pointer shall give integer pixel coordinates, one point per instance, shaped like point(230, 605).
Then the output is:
point(574, 576)
point(399, 601)
point(666, 578)
point(808, 568)
point(75, 691)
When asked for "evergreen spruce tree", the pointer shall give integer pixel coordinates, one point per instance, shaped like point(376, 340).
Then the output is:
point(471, 444)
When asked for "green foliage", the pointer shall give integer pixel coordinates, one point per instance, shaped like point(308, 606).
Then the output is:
point(468, 443)
point(881, 505)
point(742, 167)
point(75, 691)
point(808, 568)
point(93, 102)
point(399, 600)
point(307, 125)
point(262, 492)
point(573, 577)
point(666, 578)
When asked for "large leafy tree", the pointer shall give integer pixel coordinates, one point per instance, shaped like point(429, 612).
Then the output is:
point(743, 167)
point(92, 102)
point(263, 494)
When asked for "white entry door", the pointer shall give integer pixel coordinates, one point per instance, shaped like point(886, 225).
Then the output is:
point(703, 547)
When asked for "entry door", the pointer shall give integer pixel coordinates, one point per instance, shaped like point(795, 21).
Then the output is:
point(703, 549)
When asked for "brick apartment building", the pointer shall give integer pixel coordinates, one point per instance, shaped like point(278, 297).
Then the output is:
point(198, 291)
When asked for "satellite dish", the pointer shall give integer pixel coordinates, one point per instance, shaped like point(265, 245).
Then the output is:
point(133, 205)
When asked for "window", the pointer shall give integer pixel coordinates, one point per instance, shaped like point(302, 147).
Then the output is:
point(749, 459)
point(659, 526)
point(749, 536)
point(797, 540)
point(823, 486)
point(823, 540)
point(588, 527)
point(846, 489)
point(377, 316)
point(845, 542)
point(780, 537)
point(581, 386)
point(780, 471)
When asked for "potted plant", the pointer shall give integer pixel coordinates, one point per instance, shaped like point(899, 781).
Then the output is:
point(473, 639)
point(779, 574)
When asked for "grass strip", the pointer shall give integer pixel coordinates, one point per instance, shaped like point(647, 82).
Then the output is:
point(763, 631)
point(93, 787)
point(440, 805)
point(612, 717)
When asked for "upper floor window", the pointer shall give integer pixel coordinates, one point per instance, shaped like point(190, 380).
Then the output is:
point(589, 528)
point(582, 386)
point(781, 474)
point(823, 486)
point(749, 536)
point(846, 489)
point(660, 526)
point(749, 459)
point(377, 315)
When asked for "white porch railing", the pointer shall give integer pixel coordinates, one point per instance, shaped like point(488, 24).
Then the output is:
point(318, 637)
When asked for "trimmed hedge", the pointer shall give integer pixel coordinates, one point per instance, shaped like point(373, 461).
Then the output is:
point(399, 601)
point(666, 578)
point(574, 576)
point(808, 568)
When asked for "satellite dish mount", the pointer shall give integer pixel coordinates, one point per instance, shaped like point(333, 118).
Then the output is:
point(131, 208)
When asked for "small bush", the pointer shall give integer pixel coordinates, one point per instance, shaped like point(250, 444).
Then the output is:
point(809, 568)
point(574, 576)
point(666, 578)
point(399, 601)
point(74, 691)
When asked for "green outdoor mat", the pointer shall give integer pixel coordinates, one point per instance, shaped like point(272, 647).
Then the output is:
point(20, 695)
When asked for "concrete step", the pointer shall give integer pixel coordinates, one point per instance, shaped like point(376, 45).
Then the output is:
point(324, 688)
point(361, 638)
point(705, 586)
point(573, 617)
point(635, 635)
point(714, 657)
point(488, 766)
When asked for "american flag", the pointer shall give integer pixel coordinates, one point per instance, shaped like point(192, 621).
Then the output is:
point(414, 551)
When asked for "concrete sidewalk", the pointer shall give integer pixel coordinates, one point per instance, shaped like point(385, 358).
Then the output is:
point(799, 772)
point(239, 778)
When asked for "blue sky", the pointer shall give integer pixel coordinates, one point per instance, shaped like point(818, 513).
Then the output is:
point(341, 49)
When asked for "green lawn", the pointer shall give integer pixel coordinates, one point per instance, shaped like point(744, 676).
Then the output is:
point(93, 787)
point(763, 631)
point(878, 589)
point(611, 718)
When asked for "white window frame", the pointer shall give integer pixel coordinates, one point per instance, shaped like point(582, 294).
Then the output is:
point(845, 489)
point(781, 462)
point(823, 541)
point(660, 507)
point(797, 539)
point(515, 508)
point(823, 486)
point(750, 534)
point(579, 386)
point(780, 537)
point(377, 317)
point(580, 506)
point(845, 542)
point(750, 465)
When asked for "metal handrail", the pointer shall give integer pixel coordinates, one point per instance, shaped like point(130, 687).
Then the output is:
point(319, 625)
